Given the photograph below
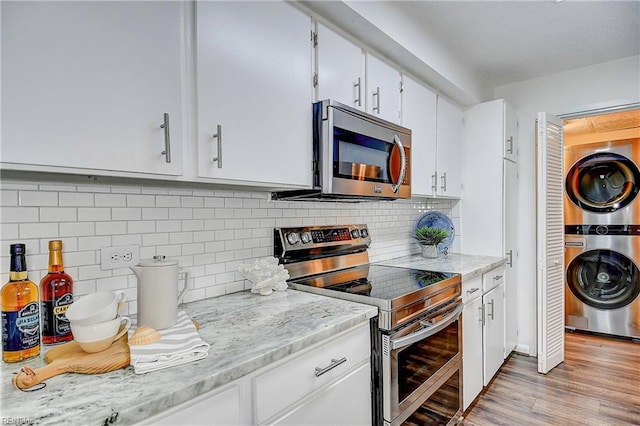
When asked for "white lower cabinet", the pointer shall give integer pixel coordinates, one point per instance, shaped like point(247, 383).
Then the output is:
point(218, 407)
point(328, 383)
point(483, 336)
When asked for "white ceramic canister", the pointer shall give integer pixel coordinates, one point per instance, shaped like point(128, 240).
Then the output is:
point(158, 296)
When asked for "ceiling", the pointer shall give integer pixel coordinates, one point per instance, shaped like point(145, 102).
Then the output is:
point(510, 41)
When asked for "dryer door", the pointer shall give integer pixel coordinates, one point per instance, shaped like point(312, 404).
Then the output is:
point(603, 182)
point(603, 279)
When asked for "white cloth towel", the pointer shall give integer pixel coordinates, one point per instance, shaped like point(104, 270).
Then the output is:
point(178, 345)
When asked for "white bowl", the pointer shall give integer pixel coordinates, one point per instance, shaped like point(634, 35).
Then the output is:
point(96, 307)
point(98, 337)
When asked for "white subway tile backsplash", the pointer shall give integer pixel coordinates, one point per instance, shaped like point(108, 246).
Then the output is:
point(134, 200)
point(76, 199)
point(37, 198)
point(91, 214)
point(8, 197)
point(111, 200)
point(156, 213)
point(126, 213)
point(19, 214)
point(210, 232)
point(38, 230)
point(141, 227)
point(111, 228)
point(58, 214)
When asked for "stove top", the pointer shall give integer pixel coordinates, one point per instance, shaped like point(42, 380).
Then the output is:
point(333, 261)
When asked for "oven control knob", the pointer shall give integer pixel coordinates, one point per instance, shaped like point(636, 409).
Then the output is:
point(306, 237)
point(293, 238)
point(355, 233)
point(364, 233)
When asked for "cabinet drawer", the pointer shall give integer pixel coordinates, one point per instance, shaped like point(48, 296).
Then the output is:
point(287, 383)
point(493, 278)
point(471, 289)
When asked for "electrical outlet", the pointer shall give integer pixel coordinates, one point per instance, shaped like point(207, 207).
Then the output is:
point(119, 257)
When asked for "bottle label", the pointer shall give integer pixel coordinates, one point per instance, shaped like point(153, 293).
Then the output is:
point(54, 319)
point(21, 329)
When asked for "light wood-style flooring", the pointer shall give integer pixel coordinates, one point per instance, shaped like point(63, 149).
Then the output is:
point(597, 384)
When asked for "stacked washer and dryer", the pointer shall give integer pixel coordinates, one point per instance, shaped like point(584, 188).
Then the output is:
point(602, 237)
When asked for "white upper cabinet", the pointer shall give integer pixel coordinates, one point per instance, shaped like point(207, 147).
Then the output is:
point(86, 86)
point(340, 69)
point(383, 89)
point(254, 92)
point(449, 150)
point(419, 115)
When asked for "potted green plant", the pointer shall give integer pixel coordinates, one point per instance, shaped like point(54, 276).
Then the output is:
point(429, 238)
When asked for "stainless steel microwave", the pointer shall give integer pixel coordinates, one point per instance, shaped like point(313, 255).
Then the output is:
point(356, 156)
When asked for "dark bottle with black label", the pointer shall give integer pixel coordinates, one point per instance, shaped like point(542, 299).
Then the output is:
point(56, 294)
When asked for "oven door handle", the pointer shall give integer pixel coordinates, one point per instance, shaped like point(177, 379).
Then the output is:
point(428, 330)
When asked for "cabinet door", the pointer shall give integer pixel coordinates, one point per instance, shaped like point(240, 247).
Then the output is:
point(511, 200)
point(340, 69)
point(472, 328)
point(419, 115)
point(449, 140)
point(493, 343)
point(510, 133)
point(254, 73)
point(85, 86)
point(346, 402)
point(383, 89)
point(218, 407)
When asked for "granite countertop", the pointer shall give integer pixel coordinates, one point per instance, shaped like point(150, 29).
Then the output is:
point(246, 332)
point(467, 265)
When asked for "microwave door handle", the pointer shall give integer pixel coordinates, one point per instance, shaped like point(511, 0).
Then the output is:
point(403, 160)
point(428, 330)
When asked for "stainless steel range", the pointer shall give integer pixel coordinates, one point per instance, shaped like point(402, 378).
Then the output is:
point(416, 338)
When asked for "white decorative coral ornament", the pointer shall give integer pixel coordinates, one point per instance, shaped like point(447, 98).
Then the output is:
point(266, 275)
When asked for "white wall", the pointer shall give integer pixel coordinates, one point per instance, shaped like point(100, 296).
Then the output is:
point(608, 84)
point(209, 231)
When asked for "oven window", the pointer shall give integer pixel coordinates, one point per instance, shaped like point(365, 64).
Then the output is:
point(419, 361)
point(441, 407)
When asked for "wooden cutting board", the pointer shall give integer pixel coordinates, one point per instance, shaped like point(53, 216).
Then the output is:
point(69, 358)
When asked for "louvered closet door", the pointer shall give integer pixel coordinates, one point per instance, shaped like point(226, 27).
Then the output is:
point(550, 242)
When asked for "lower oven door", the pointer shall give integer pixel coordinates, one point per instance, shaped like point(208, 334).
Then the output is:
point(416, 358)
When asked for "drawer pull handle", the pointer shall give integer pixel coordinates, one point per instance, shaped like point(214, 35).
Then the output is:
point(334, 364)
point(497, 277)
point(473, 290)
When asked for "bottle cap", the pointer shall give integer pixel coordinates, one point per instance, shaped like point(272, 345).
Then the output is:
point(16, 249)
point(55, 245)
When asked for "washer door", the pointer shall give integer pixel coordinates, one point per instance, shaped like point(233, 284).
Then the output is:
point(603, 279)
point(603, 182)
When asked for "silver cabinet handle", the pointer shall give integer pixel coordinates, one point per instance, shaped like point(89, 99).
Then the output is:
point(492, 310)
point(334, 364)
point(167, 141)
point(403, 160)
point(498, 277)
point(481, 309)
point(510, 142)
point(434, 181)
point(473, 290)
point(376, 94)
point(359, 87)
point(444, 181)
point(218, 136)
point(510, 262)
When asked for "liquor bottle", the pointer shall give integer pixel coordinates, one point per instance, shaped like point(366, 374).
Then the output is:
point(56, 295)
point(20, 311)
